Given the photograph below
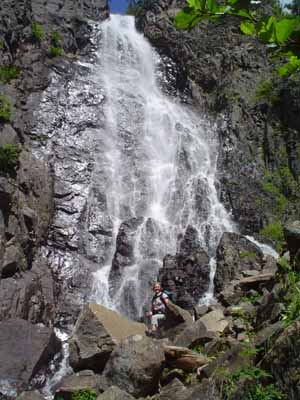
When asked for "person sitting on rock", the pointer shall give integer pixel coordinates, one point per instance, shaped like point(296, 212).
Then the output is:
point(159, 303)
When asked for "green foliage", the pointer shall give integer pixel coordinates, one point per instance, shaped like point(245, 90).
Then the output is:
point(290, 68)
point(37, 31)
point(257, 389)
point(275, 232)
point(268, 392)
point(265, 91)
point(1, 45)
point(251, 299)
point(199, 348)
point(86, 394)
point(56, 51)
point(279, 31)
point(292, 298)
point(9, 157)
point(56, 39)
point(247, 254)
point(8, 72)
point(5, 109)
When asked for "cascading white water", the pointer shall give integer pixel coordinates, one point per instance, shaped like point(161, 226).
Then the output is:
point(159, 163)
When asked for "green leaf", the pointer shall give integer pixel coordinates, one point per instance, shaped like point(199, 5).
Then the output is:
point(241, 13)
point(266, 29)
point(187, 18)
point(212, 6)
point(247, 27)
point(196, 4)
point(284, 29)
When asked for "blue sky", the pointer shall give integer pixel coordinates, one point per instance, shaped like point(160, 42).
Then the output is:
point(118, 6)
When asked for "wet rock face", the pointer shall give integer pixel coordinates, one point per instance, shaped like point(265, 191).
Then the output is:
point(124, 254)
point(25, 349)
point(186, 274)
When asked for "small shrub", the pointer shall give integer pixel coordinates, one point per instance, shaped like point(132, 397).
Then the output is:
point(275, 232)
point(5, 109)
point(9, 157)
point(292, 299)
point(268, 392)
point(265, 91)
point(56, 51)
point(55, 39)
point(8, 72)
point(37, 31)
point(247, 254)
point(86, 394)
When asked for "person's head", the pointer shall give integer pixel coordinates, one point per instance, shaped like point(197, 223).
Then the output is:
point(156, 287)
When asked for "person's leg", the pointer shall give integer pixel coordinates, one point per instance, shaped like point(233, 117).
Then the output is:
point(155, 321)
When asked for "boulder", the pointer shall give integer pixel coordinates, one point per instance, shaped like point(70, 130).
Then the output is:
point(80, 381)
point(184, 358)
point(197, 333)
point(235, 254)
point(292, 236)
point(177, 320)
point(187, 273)
point(25, 350)
point(175, 390)
point(135, 365)
point(283, 361)
point(114, 393)
point(35, 395)
point(97, 332)
point(200, 310)
point(215, 322)
point(232, 360)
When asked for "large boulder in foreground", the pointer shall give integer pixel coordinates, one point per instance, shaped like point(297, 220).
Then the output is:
point(97, 332)
point(25, 349)
point(135, 365)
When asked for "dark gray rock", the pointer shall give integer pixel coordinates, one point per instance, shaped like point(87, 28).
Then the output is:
point(114, 393)
point(235, 254)
point(29, 296)
point(292, 237)
point(31, 396)
point(134, 365)
point(25, 349)
point(175, 390)
point(186, 274)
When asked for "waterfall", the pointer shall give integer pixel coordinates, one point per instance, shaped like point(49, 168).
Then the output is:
point(133, 167)
point(158, 169)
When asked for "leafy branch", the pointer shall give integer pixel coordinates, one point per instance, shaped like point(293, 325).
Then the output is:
point(281, 33)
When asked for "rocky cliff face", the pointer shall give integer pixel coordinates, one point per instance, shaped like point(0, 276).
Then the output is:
point(33, 34)
point(226, 73)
